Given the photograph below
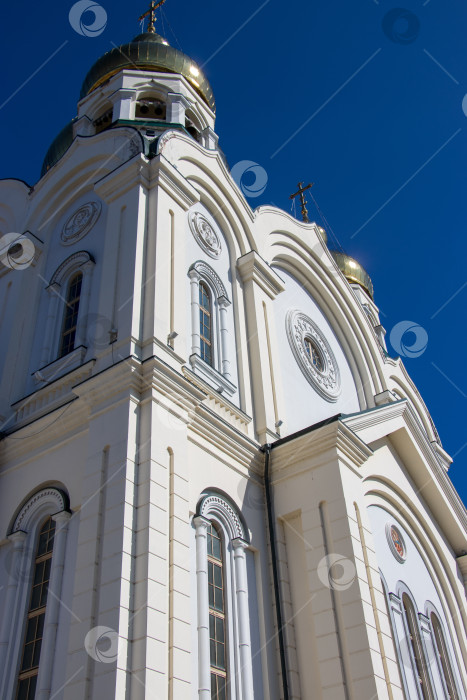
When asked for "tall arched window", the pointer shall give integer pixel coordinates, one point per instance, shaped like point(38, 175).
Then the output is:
point(415, 643)
point(225, 656)
point(217, 612)
point(28, 636)
point(29, 668)
point(205, 323)
point(443, 658)
point(70, 319)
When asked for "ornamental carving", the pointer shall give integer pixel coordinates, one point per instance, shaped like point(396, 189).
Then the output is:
point(217, 506)
point(323, 375)
point(206, 272)
point(80, 223)
point(205, 235)
point(51, 496)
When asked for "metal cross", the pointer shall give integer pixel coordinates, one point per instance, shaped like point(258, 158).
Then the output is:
point(151, 13)
point(301, 192)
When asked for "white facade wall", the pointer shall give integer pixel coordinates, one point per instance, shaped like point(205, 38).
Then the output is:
point(135, 433)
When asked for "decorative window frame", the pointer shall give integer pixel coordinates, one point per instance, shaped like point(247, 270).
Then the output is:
point(327, 383)
point(23, 534)
point(430, 610)
point(420, 626)
point(51, 365)
point(218, 374)
point(217, 508)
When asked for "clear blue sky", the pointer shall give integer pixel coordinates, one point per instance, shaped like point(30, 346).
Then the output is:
point(377, 96)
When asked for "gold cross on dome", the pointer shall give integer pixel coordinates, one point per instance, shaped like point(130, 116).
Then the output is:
point(151, 13)
point(301, 193)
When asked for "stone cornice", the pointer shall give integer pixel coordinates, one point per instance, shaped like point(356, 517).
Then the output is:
point(333, 442)
point(252, 267)
point(425, 466)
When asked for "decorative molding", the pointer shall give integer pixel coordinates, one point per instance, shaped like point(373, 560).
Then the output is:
point(204, 234)
point(327, 382)
point(252, 267)
point(206, 272)
point(51, 496)
point(215, 506)
point(212, 376)
point(78, 259)
point(80, 223)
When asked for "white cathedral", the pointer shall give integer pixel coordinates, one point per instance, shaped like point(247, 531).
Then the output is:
point(215, 483)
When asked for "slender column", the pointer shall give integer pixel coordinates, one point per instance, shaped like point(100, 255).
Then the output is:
point(81, 330)
point(44, 680)
point(54, 294)
point(177, 105)
point(224, 332)
point(194, 288)
point(9, 624)
point(204, 675)
point(244, 640)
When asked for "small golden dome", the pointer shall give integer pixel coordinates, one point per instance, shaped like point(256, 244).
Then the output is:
point(148, 51)
point(353, 271)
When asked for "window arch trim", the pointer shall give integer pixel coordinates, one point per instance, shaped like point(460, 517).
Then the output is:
point(432, 611)
point(218, 509)
point(217, 373)
point(45, 502)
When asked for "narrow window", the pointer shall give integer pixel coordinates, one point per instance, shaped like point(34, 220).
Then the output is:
point(36, 613)
point(205, 323)
point(217, 621)
point(70, 319)
point(421, 671)
point(443, 657)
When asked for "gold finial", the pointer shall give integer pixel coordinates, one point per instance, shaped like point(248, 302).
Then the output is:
point(301, 192)
point(151, 13)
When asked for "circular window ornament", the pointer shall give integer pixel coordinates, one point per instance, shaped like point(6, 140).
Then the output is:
point(205, 235)
point(80, 223)
point(313, 354)
point(396, 543)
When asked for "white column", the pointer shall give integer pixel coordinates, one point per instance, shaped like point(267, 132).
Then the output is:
point(204, 654)
point(243, 614)
point(51, 323)
point(9, 626)
point(81, 330)
point(53, 607)
point(124, 105)
point(194, 289)
point(223, 304)
point(177, 104)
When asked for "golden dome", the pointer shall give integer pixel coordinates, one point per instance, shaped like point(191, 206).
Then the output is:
point(148, 51)
point(353, 271)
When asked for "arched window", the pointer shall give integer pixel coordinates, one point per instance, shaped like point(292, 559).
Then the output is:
point(225, 655)
point(29, 667)
point(205, 323)
point(70, 319)
point(210, 327)
point(416, 647)
point(443, 658)
point(217, 614)
point(36, 557)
